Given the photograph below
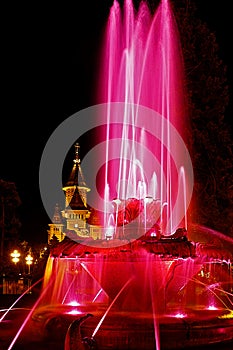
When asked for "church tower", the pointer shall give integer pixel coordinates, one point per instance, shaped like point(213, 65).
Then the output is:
point(76, 179)
point(76, 210)
point(57, 227)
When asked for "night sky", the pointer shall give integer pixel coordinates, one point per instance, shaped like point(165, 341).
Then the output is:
point(48, 64)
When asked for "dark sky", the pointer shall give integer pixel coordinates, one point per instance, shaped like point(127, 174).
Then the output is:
point(48, 63)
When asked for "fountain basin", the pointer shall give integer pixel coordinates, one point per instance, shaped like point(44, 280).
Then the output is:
point(134, 330)
point(140, 294)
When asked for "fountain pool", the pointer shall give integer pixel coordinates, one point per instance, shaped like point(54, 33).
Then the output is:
point(153, 280)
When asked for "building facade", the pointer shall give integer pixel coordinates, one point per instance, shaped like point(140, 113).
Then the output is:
point(77, 218)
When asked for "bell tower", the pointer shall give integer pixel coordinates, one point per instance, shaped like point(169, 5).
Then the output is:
point(56, 228)
point(76, 210)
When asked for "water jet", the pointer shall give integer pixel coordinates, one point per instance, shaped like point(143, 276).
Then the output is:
point(151, 279)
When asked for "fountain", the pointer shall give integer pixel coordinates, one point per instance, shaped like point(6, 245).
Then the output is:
point(152, 280)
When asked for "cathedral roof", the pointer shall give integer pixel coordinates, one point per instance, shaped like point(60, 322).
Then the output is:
point(76, 202)
point(76, 177)
point(96, 217)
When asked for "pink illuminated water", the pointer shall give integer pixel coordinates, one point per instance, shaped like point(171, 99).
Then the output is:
point(17, 300)
point(145, 180)
point(134, 284)
point(142, 65)
point(110, 306)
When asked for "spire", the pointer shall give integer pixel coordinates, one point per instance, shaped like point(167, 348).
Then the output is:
point(76, 182)
point(76, 177)
point(77, 158)
point(57, 216)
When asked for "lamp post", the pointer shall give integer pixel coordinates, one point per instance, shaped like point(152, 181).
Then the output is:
point(29, 260)
point(15, 256)
point(14, 285)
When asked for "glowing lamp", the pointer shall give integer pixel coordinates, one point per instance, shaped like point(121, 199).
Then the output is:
point(15, 256)
point(29, 260)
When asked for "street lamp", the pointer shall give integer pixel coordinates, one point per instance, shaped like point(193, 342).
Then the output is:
point(29, 259)
point(15, 256)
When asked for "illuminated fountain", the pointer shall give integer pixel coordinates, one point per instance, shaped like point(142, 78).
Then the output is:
point(152, 280)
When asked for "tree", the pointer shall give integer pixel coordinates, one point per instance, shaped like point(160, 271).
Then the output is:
point(9, 220)
point(210, 141)
point(53, 241)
